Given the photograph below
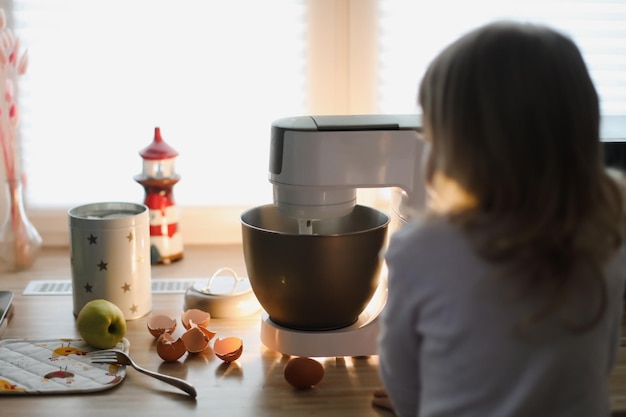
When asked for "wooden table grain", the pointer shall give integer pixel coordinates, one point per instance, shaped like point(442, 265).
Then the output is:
point(252, 386)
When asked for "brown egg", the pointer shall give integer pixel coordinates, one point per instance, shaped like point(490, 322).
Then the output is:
point(161, 323)
point(228, 349)
point(303, 373)
point(197, 339)
point(195, 316)
point(170, 349)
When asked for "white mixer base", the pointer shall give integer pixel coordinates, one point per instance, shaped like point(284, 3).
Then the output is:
point(359, 339)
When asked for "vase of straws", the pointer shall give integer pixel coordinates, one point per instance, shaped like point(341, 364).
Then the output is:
point(19, 240)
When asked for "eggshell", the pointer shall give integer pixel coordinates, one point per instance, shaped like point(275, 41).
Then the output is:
point(161, 323)
point(228, 349)
point(197, 339)
point(195, 316)
point(208, 333)
point(303, 373)
point(170, 349)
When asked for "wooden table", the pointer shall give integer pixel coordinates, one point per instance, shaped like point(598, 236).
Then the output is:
point(252, 386)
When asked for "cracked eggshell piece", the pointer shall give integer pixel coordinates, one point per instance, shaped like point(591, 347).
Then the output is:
point(170, 349)
point(195, 316)
point(228, 349)
point(161, 323)
point(197, 339)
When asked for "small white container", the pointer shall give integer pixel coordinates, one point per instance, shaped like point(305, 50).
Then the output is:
point(110, 256)
point(225, 296)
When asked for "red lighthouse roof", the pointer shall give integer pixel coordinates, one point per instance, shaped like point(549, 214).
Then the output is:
point(158, 149)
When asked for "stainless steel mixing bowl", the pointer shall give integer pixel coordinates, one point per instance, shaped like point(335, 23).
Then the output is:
point(313, 282)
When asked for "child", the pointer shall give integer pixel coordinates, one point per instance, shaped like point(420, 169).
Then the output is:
point(506, 299)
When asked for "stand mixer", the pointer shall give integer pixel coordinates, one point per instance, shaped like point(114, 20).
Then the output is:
point(317, 163)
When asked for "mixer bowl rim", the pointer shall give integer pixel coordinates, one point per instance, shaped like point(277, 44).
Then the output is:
point(383, 225)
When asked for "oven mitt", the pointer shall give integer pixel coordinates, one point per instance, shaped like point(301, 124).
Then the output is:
point(55, 366)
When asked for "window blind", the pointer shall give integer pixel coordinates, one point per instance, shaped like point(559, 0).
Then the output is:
point(213, 75)
point(413, 32)
point(103, 75)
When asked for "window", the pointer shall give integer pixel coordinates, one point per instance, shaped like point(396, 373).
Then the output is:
point(412, 34)
point(211, 75)
point(214, 75)
point(102, 76)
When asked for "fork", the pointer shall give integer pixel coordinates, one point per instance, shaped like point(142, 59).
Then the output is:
point(120, 358)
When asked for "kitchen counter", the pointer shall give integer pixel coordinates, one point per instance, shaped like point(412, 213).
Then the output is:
point(251, 386)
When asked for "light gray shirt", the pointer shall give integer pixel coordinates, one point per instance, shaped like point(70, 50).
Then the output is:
point(448, 346)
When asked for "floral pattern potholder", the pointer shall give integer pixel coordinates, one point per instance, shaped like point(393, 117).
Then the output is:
point(55, 366)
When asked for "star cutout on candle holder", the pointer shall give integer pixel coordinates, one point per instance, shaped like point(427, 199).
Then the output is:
point(88, 287)
point(93, 240)
point(126, 287)
point(130, 237)
point(134, 308)
point(102, 265)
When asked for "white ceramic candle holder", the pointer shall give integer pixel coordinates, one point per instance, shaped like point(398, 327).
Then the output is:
point(110, 256)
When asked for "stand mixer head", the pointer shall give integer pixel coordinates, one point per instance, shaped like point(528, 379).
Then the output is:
point(318, 162)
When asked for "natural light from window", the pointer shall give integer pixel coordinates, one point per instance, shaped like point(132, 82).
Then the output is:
point(412, 34)
point(211, 75)
point(214, 75)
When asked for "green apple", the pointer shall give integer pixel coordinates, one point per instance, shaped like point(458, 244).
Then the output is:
point(101, 324)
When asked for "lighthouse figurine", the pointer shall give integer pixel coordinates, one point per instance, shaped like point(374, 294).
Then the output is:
point(158, 178)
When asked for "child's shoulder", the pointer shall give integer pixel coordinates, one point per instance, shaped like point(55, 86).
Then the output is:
point(427, 238)
point(428, 229)
point(433, 250)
